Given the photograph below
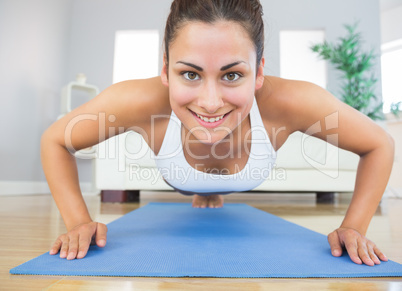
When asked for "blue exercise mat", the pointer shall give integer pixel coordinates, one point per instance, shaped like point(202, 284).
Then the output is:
point(239, 241)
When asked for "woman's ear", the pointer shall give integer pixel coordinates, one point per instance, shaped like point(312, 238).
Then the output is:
point(260, 75)
point(165, 72)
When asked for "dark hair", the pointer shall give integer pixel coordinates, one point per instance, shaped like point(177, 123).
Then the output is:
point(247, 13)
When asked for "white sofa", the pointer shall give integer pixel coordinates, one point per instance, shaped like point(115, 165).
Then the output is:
point(304, 164)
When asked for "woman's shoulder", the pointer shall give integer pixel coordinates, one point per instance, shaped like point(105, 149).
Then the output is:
point(150, 94)
point(290, 104)
point(279, 98)
point(141, 99)
point(282, 91)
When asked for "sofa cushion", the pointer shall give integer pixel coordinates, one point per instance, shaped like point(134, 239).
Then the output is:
point(302, 151)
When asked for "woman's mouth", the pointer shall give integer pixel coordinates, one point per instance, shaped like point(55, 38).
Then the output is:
point(210, 121)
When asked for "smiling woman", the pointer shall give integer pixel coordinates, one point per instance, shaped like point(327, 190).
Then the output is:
point(223, 114)
point(200, 84)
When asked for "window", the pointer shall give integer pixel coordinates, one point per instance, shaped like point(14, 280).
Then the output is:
point(136, 54)
point(391, 67)
point(298, 61)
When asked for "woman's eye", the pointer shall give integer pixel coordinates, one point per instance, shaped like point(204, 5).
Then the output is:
point(231, 77)
point(191, 76)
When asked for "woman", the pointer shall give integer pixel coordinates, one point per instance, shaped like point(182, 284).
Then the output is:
point(213, 88)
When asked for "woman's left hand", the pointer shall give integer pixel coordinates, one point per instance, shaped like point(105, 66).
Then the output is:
point(360, 249)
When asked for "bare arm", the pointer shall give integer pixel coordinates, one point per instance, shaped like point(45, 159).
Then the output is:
point(61, 173)
point(359, 134)
point(83, 128)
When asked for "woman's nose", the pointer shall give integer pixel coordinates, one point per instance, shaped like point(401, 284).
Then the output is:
point(210, 99)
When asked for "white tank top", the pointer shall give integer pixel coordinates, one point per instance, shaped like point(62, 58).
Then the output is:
point(175, 169)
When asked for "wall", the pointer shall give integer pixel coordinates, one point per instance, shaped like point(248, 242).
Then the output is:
point(95, 23)
point(34, 39)
point(328, 15)
point(390, 20)
point(93, 33)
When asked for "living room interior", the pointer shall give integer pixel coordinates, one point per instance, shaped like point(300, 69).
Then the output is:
point(60, 54)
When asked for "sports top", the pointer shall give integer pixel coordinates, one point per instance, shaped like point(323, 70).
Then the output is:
point(178, 173)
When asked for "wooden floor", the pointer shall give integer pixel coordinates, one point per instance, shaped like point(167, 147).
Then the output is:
point(29, 225)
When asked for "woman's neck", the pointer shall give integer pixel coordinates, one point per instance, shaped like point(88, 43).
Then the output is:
point(234, 144)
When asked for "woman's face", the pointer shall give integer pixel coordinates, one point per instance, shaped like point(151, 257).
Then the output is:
point(212, 78)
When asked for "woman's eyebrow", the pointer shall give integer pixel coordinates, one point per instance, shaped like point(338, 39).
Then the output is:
point(224, 68)
point(191, 65)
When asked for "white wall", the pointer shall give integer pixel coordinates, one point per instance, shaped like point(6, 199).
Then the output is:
point(34, 42)
point(95, 23)
point(391, 24)
point(329, 15)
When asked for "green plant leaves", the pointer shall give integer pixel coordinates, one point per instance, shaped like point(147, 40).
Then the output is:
point(358, 89)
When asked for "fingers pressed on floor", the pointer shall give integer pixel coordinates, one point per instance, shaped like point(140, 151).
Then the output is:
point(64, 248)
point(56, 247)
point(364, 255)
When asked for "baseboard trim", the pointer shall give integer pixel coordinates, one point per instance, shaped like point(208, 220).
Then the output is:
point(11, 188)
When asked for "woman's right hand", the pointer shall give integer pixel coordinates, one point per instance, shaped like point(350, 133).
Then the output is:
point(75, 243)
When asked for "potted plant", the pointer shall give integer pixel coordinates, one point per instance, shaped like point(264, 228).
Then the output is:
point(358, 85)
